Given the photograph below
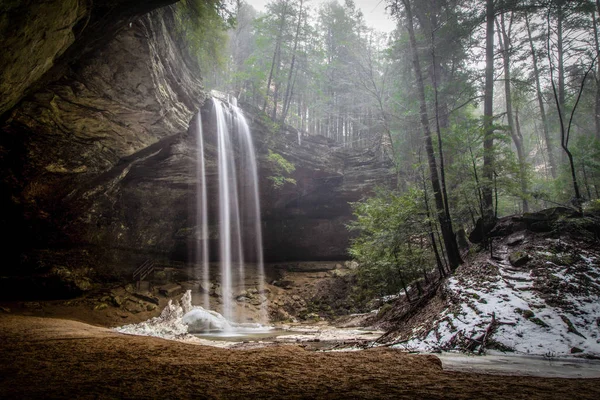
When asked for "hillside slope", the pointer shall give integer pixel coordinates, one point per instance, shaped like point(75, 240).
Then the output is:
point(534, 293)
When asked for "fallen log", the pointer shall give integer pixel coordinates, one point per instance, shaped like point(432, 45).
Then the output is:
point(490, 329)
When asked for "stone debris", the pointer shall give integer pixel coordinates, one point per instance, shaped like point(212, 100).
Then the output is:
point(170, 290)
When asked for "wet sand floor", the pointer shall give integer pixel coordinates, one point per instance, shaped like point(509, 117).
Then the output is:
point(52, 358)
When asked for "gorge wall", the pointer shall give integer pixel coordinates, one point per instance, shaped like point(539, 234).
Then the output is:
point(98, 165)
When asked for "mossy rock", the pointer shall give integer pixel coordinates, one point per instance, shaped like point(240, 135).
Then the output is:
point(527, 314)
point(116, 301)
point(566, 260)
point(519, 259)
point(539, 322)
point(386, 308)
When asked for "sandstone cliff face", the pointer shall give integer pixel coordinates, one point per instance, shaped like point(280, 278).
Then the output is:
point(102, 160)
point(138, 89)
point(34, 34)
point(41, 39)
point(307, 221)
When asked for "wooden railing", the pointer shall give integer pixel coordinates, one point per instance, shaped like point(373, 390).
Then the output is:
point(141, 272)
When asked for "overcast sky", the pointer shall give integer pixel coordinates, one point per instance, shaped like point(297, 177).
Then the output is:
point(373, 10)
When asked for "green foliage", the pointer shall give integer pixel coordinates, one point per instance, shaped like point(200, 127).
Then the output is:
point(391, 247)
point(282, 169)
point(204, 25)
point(273, 127)
point(586, 151)
point(592, 206)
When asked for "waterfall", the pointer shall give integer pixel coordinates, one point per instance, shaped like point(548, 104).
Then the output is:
point(239, 221)
point(251, 200)
point(202, 213)
point(230, 244)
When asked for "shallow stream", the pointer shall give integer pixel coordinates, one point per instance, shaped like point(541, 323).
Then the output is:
point(521, 365)
point(241, 335)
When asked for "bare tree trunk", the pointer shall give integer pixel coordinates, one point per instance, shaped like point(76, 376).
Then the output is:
point(275, 100)
point(438, 259)
point(597, 105)
point(276, 54)
point(264, 108)
point(447, 233)
point(504, 41)
point(488, 115)
point(479, 189)
point(585, 181)
point(565, 129)
point(438, 125)
point(288, 96)
point(522, 157)
point(540, 99)
point(561, 65)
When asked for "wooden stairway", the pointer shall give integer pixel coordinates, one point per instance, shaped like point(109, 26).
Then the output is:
point(141, 272)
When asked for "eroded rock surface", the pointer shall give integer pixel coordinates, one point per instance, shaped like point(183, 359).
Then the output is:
point(307, 221)
point(41, 39)
point(134, 92)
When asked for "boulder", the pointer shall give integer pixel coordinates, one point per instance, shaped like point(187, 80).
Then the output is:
point(518, 259)
point(575, 350)
point(541, 221)
point(204, 287)
point(483, 229)
point(116, 301)
point(170, 290)
point(515, 239)
point(146, 298)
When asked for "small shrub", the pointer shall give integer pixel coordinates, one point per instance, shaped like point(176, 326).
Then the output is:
point(282, 168)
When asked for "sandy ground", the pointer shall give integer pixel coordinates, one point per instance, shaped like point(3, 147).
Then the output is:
point(55, 358)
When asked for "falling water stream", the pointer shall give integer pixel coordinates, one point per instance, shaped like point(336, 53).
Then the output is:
point(202, 213)
point(251, 200)
point(230, 243)
point(239, 209)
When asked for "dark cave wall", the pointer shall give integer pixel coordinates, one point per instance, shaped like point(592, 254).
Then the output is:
point(138, 89)
point(42, 39)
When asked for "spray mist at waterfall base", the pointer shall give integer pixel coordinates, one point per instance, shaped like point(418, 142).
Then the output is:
point(183, 321)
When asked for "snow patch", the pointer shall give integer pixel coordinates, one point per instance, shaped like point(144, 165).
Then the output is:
point(551, 311)
point(178, 320)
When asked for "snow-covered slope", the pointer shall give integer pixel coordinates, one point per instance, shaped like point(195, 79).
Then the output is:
point(535, 295)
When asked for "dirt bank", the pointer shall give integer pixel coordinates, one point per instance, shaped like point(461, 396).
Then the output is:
point(54, 358)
